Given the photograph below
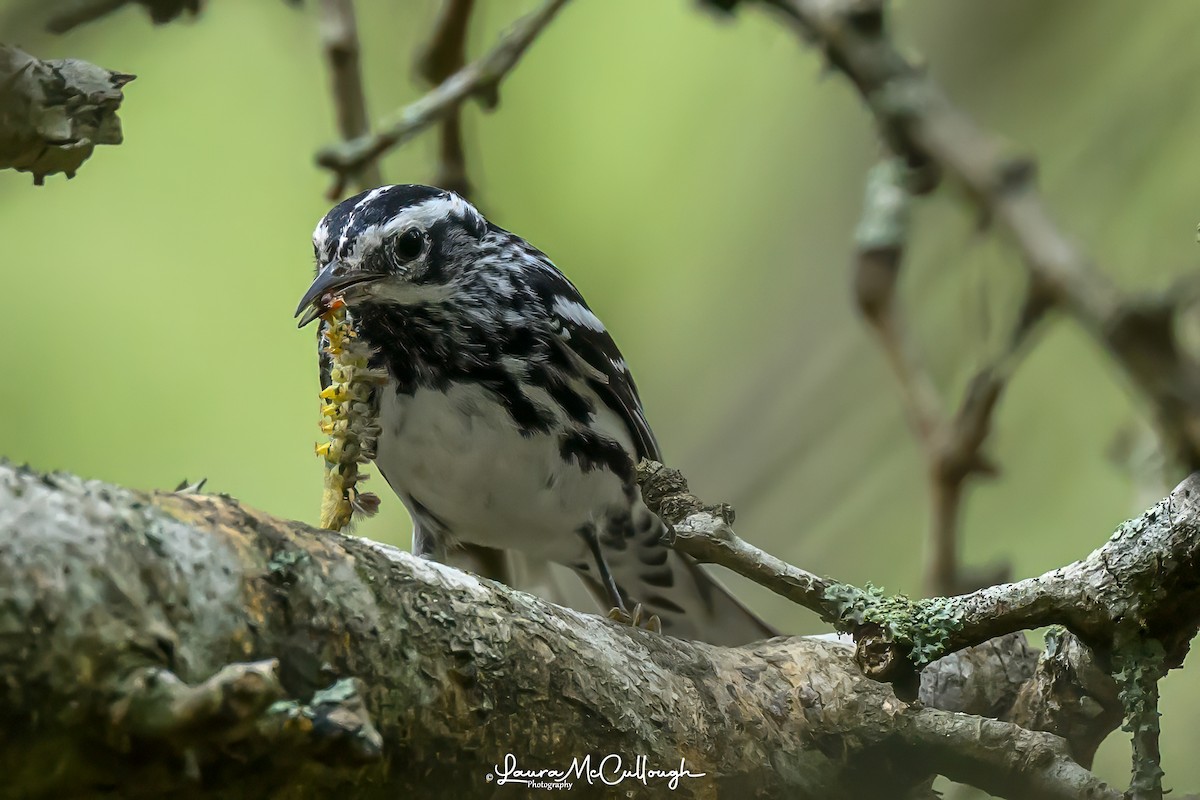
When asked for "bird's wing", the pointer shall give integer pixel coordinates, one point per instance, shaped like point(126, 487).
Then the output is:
point(585, 339)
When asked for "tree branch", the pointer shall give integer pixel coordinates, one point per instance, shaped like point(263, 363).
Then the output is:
point(54, 113)
point(443, 55)
point(73, 13)
point(174, 627)
point(480, 78)
point(1143, 576)
point(952, 445)
point(1000, 759)
point(339, 35)
point(923, 125)
point(1135, 601)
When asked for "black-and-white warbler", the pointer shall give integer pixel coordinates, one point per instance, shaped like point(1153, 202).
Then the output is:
point(509, 418)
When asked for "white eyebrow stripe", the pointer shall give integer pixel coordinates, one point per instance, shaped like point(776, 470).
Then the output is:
point(430, 211)
point(423, 214)
point(577, 313)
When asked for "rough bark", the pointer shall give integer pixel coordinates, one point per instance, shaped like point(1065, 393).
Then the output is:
point(53, 113)
point(182, 643)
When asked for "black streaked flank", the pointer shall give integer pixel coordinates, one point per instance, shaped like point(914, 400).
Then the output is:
point(578, 408)
point(430, 347)
point(593, 450)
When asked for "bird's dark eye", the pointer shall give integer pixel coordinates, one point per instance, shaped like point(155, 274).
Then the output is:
point(409, 245)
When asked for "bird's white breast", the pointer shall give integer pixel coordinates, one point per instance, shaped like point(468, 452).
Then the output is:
point(460, 455)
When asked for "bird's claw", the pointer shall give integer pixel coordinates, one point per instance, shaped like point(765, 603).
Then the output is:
point(638, 619)
point(187, 487)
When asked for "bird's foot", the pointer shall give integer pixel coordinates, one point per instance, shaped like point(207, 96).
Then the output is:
point(638, 619)
point(187, 487)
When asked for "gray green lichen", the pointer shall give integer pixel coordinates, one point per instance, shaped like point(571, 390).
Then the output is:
point(1137, 664)
point(924, 626)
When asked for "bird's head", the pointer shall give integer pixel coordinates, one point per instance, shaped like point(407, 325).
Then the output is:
point(395, 244)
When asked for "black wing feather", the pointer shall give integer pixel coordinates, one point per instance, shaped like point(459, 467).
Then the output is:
point(614, 383)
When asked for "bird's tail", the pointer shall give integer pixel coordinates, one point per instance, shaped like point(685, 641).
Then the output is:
point(691, 603)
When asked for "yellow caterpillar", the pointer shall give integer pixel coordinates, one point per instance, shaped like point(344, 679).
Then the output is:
point(348, 418)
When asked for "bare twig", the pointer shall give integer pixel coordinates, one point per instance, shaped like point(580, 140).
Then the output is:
point(442, 56)
point(952, 445)
point(480, 78)
point(921, 123)
point(339, 36)
point(705, 533)
point(79, 12)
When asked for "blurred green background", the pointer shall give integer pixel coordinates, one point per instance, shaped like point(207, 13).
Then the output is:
point(699, 180)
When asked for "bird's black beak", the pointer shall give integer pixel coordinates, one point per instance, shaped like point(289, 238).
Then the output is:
point(332, 280)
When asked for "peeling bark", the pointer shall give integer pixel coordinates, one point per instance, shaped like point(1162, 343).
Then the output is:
point(182, 643)
point(54, 113)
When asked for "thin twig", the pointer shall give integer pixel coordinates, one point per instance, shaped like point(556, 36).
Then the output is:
point(81, 12)
point(922, 124)
point(479, 78)
point(442, 56)
point(952, 445)
point(339, 36)
point(706, 534)
point(1092, 597)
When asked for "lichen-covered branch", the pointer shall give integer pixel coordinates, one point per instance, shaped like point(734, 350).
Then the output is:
point(153, 641)
point(480, 78)
point(922, 126)
point(53, 113)
point(1135, 601)
point(1144, 576)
